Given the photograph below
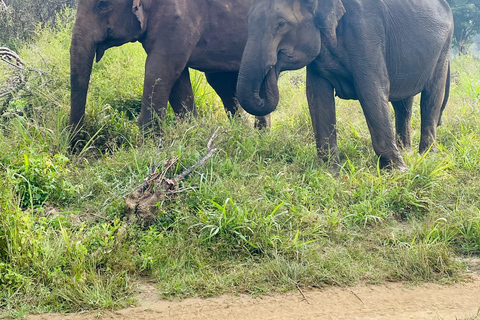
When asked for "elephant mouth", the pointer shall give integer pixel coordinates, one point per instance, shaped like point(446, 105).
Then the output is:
point(99, 52)
point(269, 87)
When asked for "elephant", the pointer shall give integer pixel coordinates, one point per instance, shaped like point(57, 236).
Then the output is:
point(177, 35)
point(373, 51)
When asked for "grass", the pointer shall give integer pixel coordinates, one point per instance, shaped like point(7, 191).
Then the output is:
point(263, 214)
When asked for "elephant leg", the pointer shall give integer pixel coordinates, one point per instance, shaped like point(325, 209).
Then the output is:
point(431, 109)
point(321, 103)
point(225, 85)
point(403, 122)
point(181, 96)
point(374, 101)
point(160, 77)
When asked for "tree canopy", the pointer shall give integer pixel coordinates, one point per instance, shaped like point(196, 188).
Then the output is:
point(466, 15)
point(19, 18)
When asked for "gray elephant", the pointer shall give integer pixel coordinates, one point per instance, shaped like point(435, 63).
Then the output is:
point(176, 34)
point(373, 51)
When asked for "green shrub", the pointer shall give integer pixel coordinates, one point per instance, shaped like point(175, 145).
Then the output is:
point(41, 178)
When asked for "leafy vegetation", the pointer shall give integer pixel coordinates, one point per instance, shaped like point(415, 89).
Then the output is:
point(19, 19)
point(466, 15)
point(263, 215)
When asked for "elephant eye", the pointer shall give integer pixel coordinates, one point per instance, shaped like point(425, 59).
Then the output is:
point(103, 6)
point(281, 24)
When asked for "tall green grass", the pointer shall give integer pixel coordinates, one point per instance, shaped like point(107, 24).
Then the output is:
point(262, 215)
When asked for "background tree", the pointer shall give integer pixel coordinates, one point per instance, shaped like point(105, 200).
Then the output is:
point(20, 18)
point(466, 14)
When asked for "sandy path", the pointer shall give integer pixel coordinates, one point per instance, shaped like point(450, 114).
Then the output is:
point(389, 301)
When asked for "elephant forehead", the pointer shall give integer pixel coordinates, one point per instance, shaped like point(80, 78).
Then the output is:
point(288, 9)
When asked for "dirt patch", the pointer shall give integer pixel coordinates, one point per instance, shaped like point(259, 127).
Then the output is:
point(389, 301)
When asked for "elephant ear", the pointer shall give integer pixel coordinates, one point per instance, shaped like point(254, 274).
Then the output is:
point(327, 14)
point(140, 9)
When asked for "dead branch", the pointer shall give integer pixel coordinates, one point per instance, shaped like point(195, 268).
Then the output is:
point(301, 292)
point(153, 167)
point(19, 78)
point(143, 201)
point(357, 296)
point(211, 152)
point(11, 57)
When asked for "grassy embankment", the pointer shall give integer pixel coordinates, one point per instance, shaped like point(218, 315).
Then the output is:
point(263, 214)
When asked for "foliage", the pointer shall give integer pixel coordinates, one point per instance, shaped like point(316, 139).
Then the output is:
point(19, 18)
point(41, 178)
point(263, 215)
point(466, 16)
point(51, 264)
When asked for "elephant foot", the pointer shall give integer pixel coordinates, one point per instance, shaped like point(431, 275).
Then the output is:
point(427, 148)
point(334, 169)
point(393, 164)
point(330, 158)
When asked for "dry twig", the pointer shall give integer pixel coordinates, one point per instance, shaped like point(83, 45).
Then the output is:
point(357, 296)
point(11, 57)
point(19, 79)
point(211, 152)
point(154, 165)
point(301, 292)
point(143, 201)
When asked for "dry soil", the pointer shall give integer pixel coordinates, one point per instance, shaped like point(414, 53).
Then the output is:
point(373, 302)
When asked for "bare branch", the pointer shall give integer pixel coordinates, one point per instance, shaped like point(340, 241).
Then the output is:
point(301, 292)
point(213, 137)
point(143, 201)
point(12, 58)
point(19, 79)
point(5, 93)
point(211, 152)
point(199, 163)
point(357, 296)
point(153, 167)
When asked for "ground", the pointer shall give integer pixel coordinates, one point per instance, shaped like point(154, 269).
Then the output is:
point(397, 301)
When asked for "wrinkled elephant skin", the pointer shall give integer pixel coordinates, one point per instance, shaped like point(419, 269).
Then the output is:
point(176, 34)
point(374, 51)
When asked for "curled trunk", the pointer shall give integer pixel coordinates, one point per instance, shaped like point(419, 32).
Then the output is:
point(257, 88)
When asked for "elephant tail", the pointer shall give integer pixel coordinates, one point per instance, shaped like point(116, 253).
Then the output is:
point(445, 97)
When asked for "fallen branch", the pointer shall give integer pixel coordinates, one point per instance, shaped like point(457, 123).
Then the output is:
point(153, 167)
point(211, 152)
point(19, 78)
point(301, 292)
point(12, 58)
point(351, 291)
point(144, 201)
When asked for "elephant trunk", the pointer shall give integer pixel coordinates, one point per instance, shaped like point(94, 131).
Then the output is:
point(257, 88)
point(82, 53)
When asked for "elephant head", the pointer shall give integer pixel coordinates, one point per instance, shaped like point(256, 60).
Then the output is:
point(99, 25)
point(282, 35)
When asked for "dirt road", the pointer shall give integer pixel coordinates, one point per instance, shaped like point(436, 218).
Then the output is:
point(389, 301)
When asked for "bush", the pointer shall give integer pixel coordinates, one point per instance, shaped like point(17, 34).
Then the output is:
point(40, 178)
point(20, 18)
